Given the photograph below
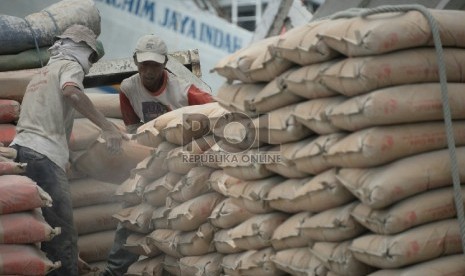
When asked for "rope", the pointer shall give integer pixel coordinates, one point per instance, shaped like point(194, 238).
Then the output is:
point(458, 198)
point(35, 43)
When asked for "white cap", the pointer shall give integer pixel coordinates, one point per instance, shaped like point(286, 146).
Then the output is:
point(151, 48)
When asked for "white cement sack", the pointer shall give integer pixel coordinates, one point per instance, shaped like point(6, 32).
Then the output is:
point(333, 225)
point(419, 209)
point(379, 145)
point(387, 32)
point(229, 213)
point(235, 97)
point(146, 266)
point(377, 188)
point(193, 184)
point(252, 262)
point(136, 218)
point(395, 105)
point(156, 192)
point(289, 234)
point(206, 265)
point(299, 262)
point(285, 165)
point(413, 246)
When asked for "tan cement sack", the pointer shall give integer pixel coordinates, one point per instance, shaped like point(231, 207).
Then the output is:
point(193, 184)
point(299, 262)
point(96, 246)
point(13, 83)
point(320, 193)
point(171, 265)
point(379, 145)
point(20, 193)
point(165, 241)
point(377, 188)
point(206, 265)
point(136, 218)
point(9, 111)
point(395, 105)
point(131, 190)
point(280, 126)
point(220, 182)
point(311, 159)
point(312, 114)
point(88, 191)
point(107, 103)
point(189, 215)
point(224, 243)
point(9, 167)
point(386, 32)
point(95, 218)
point(159, 219)
point(235, 97)
point(84, 133)
point(413, 246)
point(252, 262)
point(148, 135)
point(146, 266)
point(137, 244)
point(333, 225)
point(26, 227)
point(416, 210)
point(235, 136)
point(337, 257)
point(285, 165)
point(448, 265)
point(229, 213)
point(274, 95)
point(302, 45)
point(184, 158)
point(25, 260)
point(156, 192)
point(154, 166)
point(248, 165)
point(359, 75)
point(289, 234)
point(305, 81)
point(256, 232)
point(197, 242)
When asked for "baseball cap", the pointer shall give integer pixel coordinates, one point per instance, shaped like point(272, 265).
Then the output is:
point(150, 47)
point(80, 33)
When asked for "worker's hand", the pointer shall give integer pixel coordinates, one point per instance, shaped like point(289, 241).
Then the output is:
point(114, 139)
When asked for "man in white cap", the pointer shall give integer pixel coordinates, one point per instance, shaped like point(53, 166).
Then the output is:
point(144, 96)
point(44, 128)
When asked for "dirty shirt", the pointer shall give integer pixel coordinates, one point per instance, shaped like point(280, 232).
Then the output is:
point(46, 119)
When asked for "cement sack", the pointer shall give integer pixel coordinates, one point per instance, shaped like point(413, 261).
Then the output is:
point(171, 265)
point(289, 234)
point(280, 126)
point(12, 168)
point(159, 219)
point(302, 45)
point(9, 111)
point(379, 145)
point(235, 97)
point(253, 193)
point(13, 83)
point(96, 218)
point(396, 105)
point(255, 233)
point(41, 27)
point(148, 135)
point(299, 262)
point(224, 244)
point(20, 193)
point(153, 166)
point(252, 262)
point(359, 75)
point(419, 244)
point(285, 165)
point(27, 59)
point(448, 265)
point(24, 259)
point(235, 136)
point(164, 240)
point(7, 133)
point(316, 194)
point(131, 190)
point(211, 157)
point(197, 242)
point(108, 104)
point(189, 215)
point(88, 191)
point(229, 213)
point(247, 165)
point(337, 257)
point(136, 218)
point(386, 32)
point(206, 265)
point(333, 225)
point(312, 114)
point(220, 182)
point(193, 184)
point(26, 227)
point(156, 192)
point(146, 266)
point(274, 95)
point(182, 159)
point(311, 159)
point(377, 188)
point(425, 207)
point(306, 83)
point(99, 163)
point(85, 132)
point(96, 246)
point(137, 244)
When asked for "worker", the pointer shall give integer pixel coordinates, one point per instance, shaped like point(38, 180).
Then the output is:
point(144, 96)
point(43, 132)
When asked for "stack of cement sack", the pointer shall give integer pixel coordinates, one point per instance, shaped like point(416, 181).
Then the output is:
point(22, 226)
point(353, 106)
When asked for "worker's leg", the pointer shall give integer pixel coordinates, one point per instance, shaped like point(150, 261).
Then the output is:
point(54, 181)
